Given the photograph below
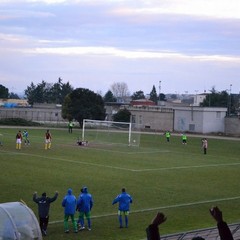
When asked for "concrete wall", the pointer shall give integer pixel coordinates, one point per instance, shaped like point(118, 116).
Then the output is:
point(153, 118)
point(232, 126)
point(214, 120)
point(190, 119)
point(33, 114)
point(199, 120)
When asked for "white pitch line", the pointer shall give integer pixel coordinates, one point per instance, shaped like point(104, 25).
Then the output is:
point(153, 151)
point(164, 207)
point(127, 169)
point(187, 167)
point(77, 162)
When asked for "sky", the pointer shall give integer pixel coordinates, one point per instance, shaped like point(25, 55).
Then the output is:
point(179, 46)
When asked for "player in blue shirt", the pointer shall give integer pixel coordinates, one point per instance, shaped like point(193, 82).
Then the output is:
point(124, 200)
point(69, 203)
point(25, 137)
point(84, 206)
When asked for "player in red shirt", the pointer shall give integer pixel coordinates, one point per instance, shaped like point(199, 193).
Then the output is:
point(19, 140)
point(48, 140)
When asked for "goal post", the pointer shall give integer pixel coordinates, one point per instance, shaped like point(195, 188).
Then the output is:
point(110, 132)
point(1, 139)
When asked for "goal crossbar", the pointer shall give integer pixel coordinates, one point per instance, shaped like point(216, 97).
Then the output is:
point(112, 127)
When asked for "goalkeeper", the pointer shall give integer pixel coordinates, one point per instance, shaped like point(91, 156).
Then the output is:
point(82, 143)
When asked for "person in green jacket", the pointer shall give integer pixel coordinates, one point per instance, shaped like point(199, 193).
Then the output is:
point(70, 126)
point(184, 139)
point(167, 135)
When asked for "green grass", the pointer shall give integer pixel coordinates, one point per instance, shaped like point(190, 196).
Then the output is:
point(178, 180)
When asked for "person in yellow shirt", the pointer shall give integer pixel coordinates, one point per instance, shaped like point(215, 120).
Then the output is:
point(48, 140)
point(19, 140)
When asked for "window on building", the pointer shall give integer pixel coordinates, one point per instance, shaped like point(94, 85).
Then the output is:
point(133, 118)
point(191, 127)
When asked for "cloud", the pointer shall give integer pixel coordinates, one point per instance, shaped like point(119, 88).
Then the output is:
point(93, 43)
point(213, 8)
point(134, 54)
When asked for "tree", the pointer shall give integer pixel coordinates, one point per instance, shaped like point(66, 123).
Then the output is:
point(174, 96)
point(58, 91)
point(162, 97)
point(48, 93)
point(216, 99)
point(138, 95)
point(153, 95)
point(235, 103)
point(123, 115)
point(82, 104)
point(37, 93)
point(3, 92)
point(66, 88)
point(108, 97)
point(13, 96)
point(120, 90)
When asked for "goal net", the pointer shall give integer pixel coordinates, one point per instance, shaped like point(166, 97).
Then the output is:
point(109, 132)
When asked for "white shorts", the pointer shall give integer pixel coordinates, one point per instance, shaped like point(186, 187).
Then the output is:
point(47, 141)
point(19, 141)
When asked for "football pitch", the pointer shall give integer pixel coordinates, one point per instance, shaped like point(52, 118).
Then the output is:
point(176, 179)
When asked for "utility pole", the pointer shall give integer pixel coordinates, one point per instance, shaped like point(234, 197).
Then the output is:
point(159, 90)
point(230, 100)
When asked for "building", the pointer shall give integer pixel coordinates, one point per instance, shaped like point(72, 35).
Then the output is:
point(12, 103)
point(152, 117)
point(199, 119)
point(194, 119)
point(180, 119)
point(199, 98)
point(41, 113)
point(142, 102)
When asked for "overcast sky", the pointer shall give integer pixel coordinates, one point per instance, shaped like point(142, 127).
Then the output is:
point(180, 46)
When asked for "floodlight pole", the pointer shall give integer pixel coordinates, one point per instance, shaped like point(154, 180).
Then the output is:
point(229, 105)
point(160, 90)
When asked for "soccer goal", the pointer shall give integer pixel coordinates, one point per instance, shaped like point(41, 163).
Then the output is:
point(109, 132)
point(1, 139)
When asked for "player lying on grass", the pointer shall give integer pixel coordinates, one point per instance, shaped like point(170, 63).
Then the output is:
point(82, 143)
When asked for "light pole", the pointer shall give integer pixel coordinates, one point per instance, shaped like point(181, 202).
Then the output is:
point(229, 104)
point(196, 100)
point(160, 91)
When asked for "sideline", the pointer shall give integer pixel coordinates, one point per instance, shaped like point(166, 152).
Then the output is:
point(163, 207)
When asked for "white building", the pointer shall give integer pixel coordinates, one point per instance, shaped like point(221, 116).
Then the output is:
point(199, 98)
point(199, 119)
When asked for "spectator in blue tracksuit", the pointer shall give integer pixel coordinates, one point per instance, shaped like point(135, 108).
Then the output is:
point(124, 200)
point(69, 203)
point(84, 206)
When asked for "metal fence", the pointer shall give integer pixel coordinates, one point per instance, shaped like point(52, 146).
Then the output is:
point(208, 234)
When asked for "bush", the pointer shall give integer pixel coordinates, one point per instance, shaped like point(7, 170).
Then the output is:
point(17, 122)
